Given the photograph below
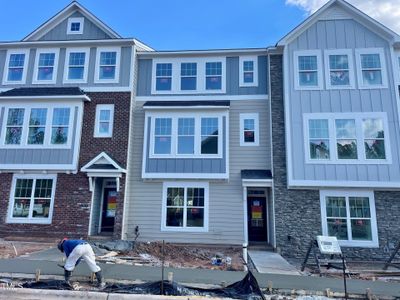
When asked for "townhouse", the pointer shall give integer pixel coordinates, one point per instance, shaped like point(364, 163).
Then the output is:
point(64, 115)
point(339, 109)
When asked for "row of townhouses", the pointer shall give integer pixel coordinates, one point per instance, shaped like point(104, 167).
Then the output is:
point(103, 135)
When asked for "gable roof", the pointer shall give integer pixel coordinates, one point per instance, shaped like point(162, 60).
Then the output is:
point(355, 12)
point(65, 13)
point(102, 163)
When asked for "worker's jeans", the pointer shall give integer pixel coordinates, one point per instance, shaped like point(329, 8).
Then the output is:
point(84, 251)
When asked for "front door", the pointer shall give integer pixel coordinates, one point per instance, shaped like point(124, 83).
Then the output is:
point(108, 210)
point(257, 216)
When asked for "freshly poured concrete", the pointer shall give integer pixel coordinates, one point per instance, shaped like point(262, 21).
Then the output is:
point(271, 263)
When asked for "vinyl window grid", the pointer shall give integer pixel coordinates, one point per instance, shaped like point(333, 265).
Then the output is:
point(185, 186)
point(188, 72)
point(359, 119)
point(23, 66)
point(317, 70)
point(117, 52)
point(84, 65)
point(30, 219)
point(244, 69)
point(350, 68)
point(163, 73)
point(382, 68)
point(75, 25)
point(174, 135)
point(42, 63)
point(255, 130)
point(347, 194)
point(99, 120)
point(47, 144)
point(176, 77)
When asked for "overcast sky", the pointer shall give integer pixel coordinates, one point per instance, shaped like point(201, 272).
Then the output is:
point(189, 24)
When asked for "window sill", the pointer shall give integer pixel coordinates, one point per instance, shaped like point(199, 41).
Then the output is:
point(27, 221)
point(180, 229)
point(349, 162)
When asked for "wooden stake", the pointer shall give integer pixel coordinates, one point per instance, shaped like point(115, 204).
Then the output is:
point(162, 268)
point(37, 275)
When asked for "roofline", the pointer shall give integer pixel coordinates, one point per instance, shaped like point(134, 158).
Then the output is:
point(142, 45)
point(160, 107)
point(210, 51)
point(309, 20)
point(91, 16)
point(58, 97)
point(130, 41)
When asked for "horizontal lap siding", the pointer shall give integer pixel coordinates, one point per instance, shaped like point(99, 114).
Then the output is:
point(144, 198)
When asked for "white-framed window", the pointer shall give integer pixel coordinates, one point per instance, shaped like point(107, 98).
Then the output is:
point(371, 68)
point(104, 122)
point(186, 135)
point(75, 25)
point(189, 75)
point(350, 216)
point(347, 138)
point(248, 71)
point(339, 68)
point(76, 65)
point(249, 130)
point(32, 199)
point(46, 65)
point(15, 68)
point(308, 70)
point(185, 206)
point(107, 65)
point(37, 126)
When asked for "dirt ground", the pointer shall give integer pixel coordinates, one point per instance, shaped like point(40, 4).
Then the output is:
point(11, 249)
point(190, 256)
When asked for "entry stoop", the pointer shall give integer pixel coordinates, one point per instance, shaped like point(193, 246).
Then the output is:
point(269, 262)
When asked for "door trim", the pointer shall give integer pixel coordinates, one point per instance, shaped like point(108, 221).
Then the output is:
point(246, 216)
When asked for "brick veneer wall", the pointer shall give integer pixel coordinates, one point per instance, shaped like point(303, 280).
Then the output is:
point(73, 199)
point(298, 212)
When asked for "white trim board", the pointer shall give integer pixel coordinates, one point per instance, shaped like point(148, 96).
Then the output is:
point(201, 98)
point(26, 52)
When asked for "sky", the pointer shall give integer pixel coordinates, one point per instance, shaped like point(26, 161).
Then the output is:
point(189, 24)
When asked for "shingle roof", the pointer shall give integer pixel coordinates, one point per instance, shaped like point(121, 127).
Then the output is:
point(256, 174)
point(43, 91)
point(186, 103)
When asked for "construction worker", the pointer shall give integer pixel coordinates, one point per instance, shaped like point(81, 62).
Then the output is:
point(75, 250)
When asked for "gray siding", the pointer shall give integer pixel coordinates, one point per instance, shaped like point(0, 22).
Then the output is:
point(90, 31)
point(232, 78)
point(38, 156)
point(144, 198)
point(187, 165)
point(124, 71)
point(342, 34)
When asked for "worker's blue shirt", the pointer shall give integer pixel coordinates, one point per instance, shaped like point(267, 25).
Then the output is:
point(69, 245)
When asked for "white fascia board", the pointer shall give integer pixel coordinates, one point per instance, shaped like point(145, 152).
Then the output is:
point(142, 45)
point(40, 167)
point(184, 176)
point(122, 42)
point(301, 184)
point(185, 107)
point(66, 98)
point(204, 52)
point(201, 98)
point(257, 182)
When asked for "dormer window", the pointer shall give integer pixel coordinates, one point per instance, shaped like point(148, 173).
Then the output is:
point(75, 26)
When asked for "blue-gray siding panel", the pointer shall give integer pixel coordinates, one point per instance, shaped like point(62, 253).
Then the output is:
point(90, 31)
point(232, 78)
point(342, 34)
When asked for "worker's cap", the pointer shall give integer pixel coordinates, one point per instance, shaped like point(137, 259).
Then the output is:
point(60, 244)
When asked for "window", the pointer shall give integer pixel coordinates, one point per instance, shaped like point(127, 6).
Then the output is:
point(213, 75)
point(60, 126)
point(75, 25)
point(350, 217)
point(104, 120)
point(162, 136)
point(185, 207)
point(339, 69)
point(185, 134)
point(15, 121)
point(163, 77)
point(308, 74)
point(16, 66)
point(46, 66)
point(371, 68)
point(76, 65)
point(354, 138)
point(32, 199)
point(248, 71)
point(249, 130)
point(318, 139)
point(37, 126)
point(107, 66)
point(188, 76)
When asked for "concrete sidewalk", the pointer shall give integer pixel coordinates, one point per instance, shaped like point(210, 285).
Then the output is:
point(127, 272)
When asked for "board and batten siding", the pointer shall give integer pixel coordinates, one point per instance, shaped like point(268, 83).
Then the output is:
point(144, 198)
point(341, 34)
point(232, 78)
point(124, 69)
point(38, 156)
